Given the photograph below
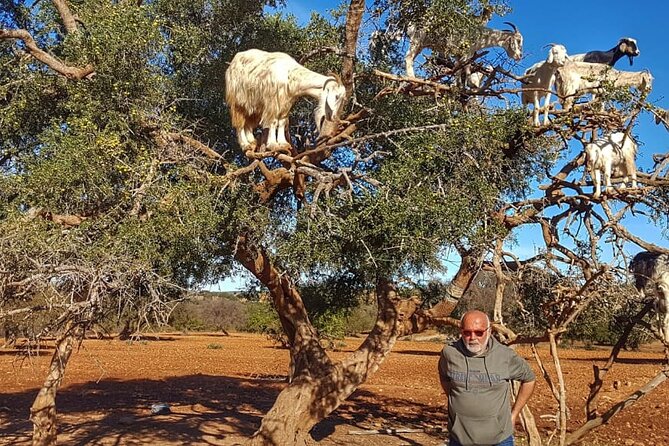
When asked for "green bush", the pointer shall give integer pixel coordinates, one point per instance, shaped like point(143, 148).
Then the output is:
point(361, 319)
point(185, 317)
point(262, 318)
point(223, 313)
point(331, 325)
point(210, 313)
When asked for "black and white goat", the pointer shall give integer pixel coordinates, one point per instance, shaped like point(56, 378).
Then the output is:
point(419, 39)
point(653, 268)
point(613, 154)
point(539, 80)
point(626, 46)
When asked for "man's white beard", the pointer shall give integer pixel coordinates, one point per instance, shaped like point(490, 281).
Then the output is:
point(478, 347)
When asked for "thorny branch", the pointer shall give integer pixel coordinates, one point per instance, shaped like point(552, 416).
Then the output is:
point(70, 24)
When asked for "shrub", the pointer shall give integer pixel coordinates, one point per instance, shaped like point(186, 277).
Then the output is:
point(262, 318)
point(361, 319)
point(223, 314)
point(210, 313)
point(185, 317)
point(331, 325)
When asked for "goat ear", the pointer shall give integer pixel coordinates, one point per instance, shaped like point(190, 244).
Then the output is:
point(336, 77)
point(329, 112)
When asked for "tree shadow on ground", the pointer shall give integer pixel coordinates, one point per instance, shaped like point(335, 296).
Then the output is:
point(205, 410)
point(202, 406)
point(416, 352)
point(22, 353)
point(365, 410)
point(634, 361)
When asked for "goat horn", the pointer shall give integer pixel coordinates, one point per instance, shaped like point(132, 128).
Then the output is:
point(328, 80)
point(515, 29)
point(549, 45)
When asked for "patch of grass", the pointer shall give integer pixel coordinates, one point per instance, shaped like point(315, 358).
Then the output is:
point(214, 346)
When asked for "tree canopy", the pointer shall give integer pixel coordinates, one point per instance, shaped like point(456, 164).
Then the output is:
point(122, 186)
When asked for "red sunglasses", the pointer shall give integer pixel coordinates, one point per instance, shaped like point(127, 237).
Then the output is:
point(477, 333)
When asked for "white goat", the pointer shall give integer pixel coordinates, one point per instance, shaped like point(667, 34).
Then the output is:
point(626, 46)
point(650, 267)
point(662, 116)
point(613, 154)
point(576, 78)
point(261, 88)
point(540, 79)
point(419, 39)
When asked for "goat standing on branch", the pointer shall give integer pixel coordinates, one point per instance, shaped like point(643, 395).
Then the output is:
point(261, 89)
point(649, 267)
point(626, 47)
point(576, 78)
point(419, 38)
point(612, 154)
point(540, 79)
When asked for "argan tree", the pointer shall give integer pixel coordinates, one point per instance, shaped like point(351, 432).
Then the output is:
point(123, 186)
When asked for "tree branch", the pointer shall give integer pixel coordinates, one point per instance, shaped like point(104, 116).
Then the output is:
point(69, 19)
point(606, 416)
point(46, 58)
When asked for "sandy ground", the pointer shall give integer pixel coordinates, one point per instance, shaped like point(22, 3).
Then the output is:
point(218, 387)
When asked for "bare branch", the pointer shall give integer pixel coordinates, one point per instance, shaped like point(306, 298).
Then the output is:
point(606, 416)
point(69, 19)
point(46, 58)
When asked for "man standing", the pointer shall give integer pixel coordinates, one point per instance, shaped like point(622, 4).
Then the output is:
point(475, 372)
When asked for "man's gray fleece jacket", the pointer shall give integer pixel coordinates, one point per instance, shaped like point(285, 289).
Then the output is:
point(479, 408)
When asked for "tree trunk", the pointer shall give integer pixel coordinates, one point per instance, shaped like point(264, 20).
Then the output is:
point(43, 410)
point(318, 391)
point(319, 386)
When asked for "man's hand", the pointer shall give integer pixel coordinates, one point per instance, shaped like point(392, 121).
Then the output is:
point(524, 394)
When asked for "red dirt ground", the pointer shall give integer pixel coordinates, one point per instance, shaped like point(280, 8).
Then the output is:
point(218, 387)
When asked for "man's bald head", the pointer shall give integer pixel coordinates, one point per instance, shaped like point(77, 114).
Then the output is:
point(475, 331)
point(475, 317)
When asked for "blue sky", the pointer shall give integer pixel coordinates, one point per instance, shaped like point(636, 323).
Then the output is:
point(580, 26)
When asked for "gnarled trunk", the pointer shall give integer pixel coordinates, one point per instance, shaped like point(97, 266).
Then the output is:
point(43, 410)
point(319, 386)
point(318, 390)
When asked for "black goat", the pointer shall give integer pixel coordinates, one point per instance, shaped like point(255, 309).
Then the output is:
point(626, 47)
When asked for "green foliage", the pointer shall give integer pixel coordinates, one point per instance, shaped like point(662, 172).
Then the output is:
point(452, 24)
point(186, 318)
point(361, 319)
point(262, 319)
point(151, 221)
point(331, 325)
point(156, 218)
point(210, 313)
